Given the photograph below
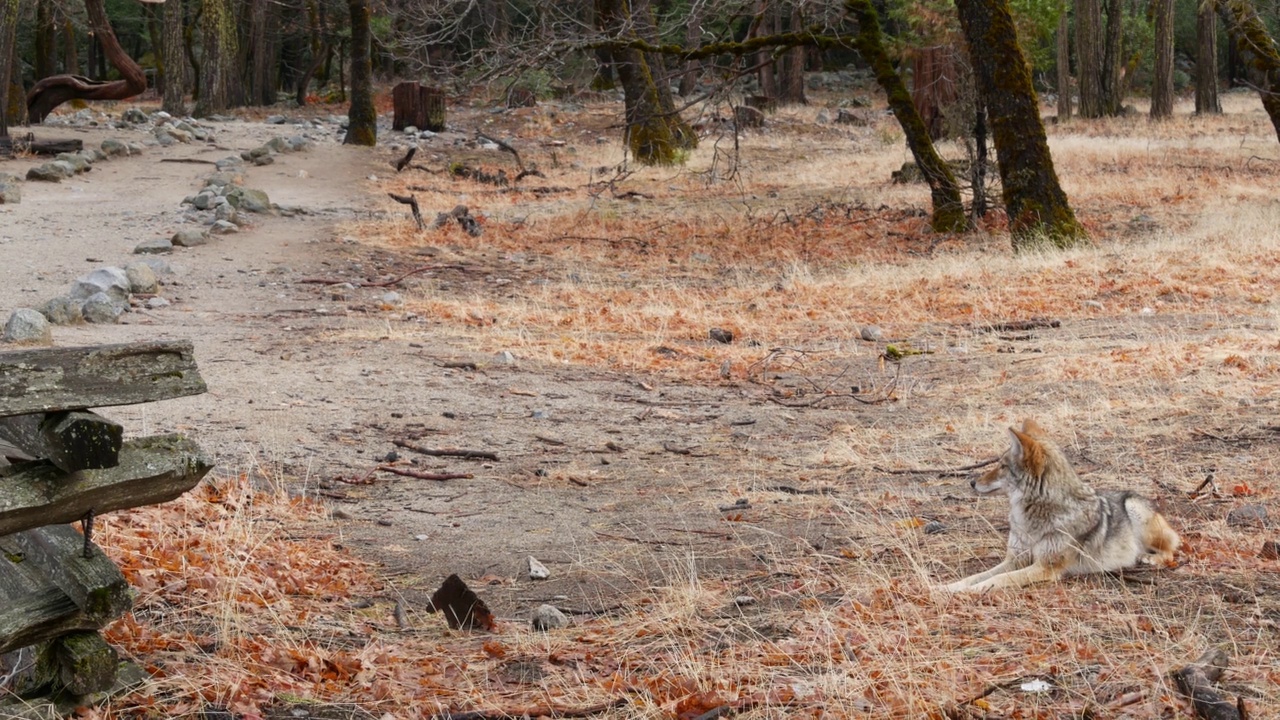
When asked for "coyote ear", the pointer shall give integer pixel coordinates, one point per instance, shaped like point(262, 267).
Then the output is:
point(1027, 452)
point(1032, 428)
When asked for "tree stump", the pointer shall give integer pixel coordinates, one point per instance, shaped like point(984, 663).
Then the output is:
point(417, 105)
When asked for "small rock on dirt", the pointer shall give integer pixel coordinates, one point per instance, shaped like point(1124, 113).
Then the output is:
point(156, 303)
point(114, 148)
point(112, 281)
point(537, 571)
point(63, 310)
point(548, 617)
point(720, 335)
point(10, 193)
point(871, 333)
point(27, 327)
point(100, 308)
point(222, 227)
point(51, 172)
point(1253, 515)
point(933, 527)
point(744, 601)
point(189, 238)
point(154, 246)
point(142, 279)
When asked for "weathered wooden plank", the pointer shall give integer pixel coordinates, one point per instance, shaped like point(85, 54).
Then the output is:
point(93, 583)
point(86, 663)
point(152, 470)
point(74, 440)
point(32, 608)
point(55, 379)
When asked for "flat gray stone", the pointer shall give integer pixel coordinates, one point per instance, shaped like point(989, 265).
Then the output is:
point(77, 161)
point(548, 617)
point(537, 571)
point(158, 265)
point(114, 148)
point(10, 192)
point(101, 309)
point(190, 238)
point(298, 143)
point(28, 327)
point(156, 303)
point(51, 172)
point(154, 246)
point(1254, 515)
point(249, 200)
point(63, 310)
point(222, 227)
point(871, 333)
point(142, 279)
point(112, 281)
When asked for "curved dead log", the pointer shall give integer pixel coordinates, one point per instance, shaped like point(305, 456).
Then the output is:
point(51, 92)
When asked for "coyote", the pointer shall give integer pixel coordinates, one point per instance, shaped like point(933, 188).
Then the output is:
point(1058, 525)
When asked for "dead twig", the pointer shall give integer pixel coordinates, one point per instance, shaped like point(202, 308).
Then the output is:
point(506, 148)
point(412, 202)
point(403, 162)
point(424, 475)
point(944, 472)
point(446, 452)
point(1195, 681)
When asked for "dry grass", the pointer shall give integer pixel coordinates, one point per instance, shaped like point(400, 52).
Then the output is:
point(1165, 368)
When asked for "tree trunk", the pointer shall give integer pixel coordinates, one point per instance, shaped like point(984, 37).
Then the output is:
point(1036, 205)
point(692, 37)
point(175, 59)
point(220, 88)
point(262, 87)
point(655, 131)
point(1064, 65)
point(51, 92)
point(46, 40)
point(1207, 102)
point(1112, 63)
point(1089, 56)
point(362, 127)
point(8, 41)
point(948, 208)
point(70, 51)
point(1162, 80)
point(1257, 51)
point(764, 25)
point(791, 75)
point(935, 86)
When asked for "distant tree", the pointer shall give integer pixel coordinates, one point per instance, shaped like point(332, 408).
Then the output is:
point(9, 10)
point(1064, 63)
point(1033, 198)
point(174, 59)
point(1162, 72)
point(362, 119)
point(948, 208)
point(219, 76)
point(1207, 102)
point(52, 91)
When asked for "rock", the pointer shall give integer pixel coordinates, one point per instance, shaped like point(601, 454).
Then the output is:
point(852, 117)
point(114, 148)
point(156, 303)
point(112, 281)
point(275, 120)
point(51, 172)
point(135, 116)
point(871, 333)
point(226, 212)
point(222, 227)
point(10, 193)
point(142, 279)
point(159, 266)
point(27, 327)
point(299, 143)
point(1253, 515)
point(190, 237)
point(392, 299)
point(249, 200)
point(933, 527)
point(79, 164)
point(203, 200)
point(136, 148)
point(100, 308)
point(264, 160)
point(63, 310)
point(537, 571)
point(548, 617)
point(1270, 550)
point(506, 358)
point(744, 601)
point(228, 163)
point(153, 246)
point(720, 335)
point(280, 145)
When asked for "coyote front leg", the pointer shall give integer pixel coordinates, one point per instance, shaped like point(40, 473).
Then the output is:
point(1010, 564)
point(1038, 571)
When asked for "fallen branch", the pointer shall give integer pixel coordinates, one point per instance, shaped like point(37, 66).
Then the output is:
point(412, 202)
point(446, 452)
point(505, 147)
point(1017, 325)
point(543, 711)
point(383, 283)
point(424, 475)
point(945, 472)
point(403, 162)
point(1195, 681)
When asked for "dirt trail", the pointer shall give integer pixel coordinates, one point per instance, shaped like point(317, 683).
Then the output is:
point(605, 479)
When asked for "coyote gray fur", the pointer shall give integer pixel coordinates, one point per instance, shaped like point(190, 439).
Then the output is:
point(1060, 526)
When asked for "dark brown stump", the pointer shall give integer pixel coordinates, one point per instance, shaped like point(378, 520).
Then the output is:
point(417, 105)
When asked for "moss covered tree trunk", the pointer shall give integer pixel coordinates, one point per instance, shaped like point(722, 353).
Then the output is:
point(1162, 79)
point(655, 133)
point(220, 86)
point(1207, 102)
point(948, 208)
point(1258, 51)
point(362, 125)
point(1033, 198)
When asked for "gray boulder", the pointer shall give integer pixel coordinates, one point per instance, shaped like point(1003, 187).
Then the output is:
point(190, 238)
point(114, 148)
point(249, 200)
point(10, 193)
point(78, 162)
point(159, 266)
point(222, 227)
point(154, 246)
point(111, 281)
point(51, 171)
point(142, 279)
point(101, 309)
point(63, 310)
point(548, 617)
point(135, 116)
point(27, 327)
point(298, 143)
